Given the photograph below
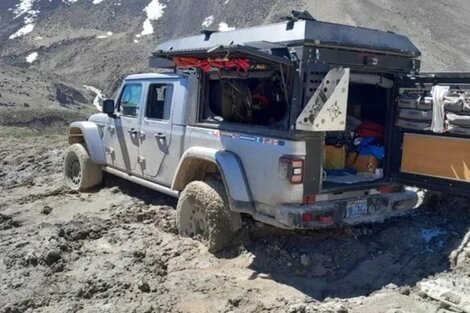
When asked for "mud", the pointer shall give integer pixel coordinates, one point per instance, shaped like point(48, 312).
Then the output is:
point(116, 250)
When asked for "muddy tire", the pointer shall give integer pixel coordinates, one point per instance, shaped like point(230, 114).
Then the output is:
point(203, 213)
point(79, 171)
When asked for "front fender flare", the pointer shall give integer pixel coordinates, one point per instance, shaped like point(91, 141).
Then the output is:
point(92, 137)
point(229, 165)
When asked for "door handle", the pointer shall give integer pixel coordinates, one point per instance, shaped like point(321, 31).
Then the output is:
point(133, 131)
point(160, 136)
point(109, 150)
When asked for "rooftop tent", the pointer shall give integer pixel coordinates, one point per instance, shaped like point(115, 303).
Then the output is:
point(288, 34)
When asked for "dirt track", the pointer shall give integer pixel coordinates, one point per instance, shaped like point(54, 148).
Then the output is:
point(116, 250)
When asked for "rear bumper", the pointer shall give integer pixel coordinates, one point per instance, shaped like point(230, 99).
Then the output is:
point(334, 213)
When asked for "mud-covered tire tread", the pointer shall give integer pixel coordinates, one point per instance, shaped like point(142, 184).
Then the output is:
point(222, 223)
point(92, 175)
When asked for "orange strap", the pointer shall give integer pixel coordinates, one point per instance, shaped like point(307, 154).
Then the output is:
point(207, 65)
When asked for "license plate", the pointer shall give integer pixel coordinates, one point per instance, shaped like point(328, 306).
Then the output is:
point(356, 208)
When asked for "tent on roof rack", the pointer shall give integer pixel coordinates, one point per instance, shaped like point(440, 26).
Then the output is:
point(306, 40)
point(295, 33)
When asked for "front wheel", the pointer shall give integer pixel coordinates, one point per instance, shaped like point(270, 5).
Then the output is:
point(203, 213)
point(79, 171)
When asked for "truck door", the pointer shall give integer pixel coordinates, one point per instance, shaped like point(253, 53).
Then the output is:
point(435, 160)
point(161, 137)
point(123, 132)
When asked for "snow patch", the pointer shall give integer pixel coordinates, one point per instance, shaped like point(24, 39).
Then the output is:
point(99, 96)
point(22, 31)
point(223, 27)
point(32, 57)
point(148, 28)
point(97, 1)
point(108, 34)
point(25, 9)
point(208, 21)
point(154, 11)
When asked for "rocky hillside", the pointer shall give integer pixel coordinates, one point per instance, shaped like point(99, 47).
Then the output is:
point(82, 46)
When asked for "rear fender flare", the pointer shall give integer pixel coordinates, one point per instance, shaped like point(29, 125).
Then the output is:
point(90, 134)
point(229, 166)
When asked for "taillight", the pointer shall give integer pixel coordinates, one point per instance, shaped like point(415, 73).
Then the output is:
point(292, 168)
point(322, 218)
point(326, 219)
point(307, 217)
point(390, 189)
point(386, 189)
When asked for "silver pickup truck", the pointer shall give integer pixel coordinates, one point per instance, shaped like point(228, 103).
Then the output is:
point(240, 124)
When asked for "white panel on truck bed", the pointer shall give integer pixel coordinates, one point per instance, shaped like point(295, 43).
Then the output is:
point(327, 109)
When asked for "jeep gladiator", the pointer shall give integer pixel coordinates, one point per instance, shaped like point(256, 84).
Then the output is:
point(240, 124)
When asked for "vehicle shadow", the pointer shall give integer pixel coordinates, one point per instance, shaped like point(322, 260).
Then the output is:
point(358, 261)
point(134, 190)
point(348, 262)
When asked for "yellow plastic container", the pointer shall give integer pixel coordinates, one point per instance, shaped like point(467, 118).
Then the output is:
point(335, 157)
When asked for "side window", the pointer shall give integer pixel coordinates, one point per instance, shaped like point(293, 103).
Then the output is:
point(130, 99)
point(159, 101)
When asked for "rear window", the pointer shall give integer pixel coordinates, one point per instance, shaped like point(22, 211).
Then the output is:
point(159, 101)
point(255, 98)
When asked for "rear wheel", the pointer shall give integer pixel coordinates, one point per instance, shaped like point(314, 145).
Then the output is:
point(79, 171)
point(203, 214)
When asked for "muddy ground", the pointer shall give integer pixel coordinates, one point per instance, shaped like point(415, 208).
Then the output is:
point(116, 250)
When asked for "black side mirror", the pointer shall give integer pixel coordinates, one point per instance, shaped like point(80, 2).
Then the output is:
point(108, 106)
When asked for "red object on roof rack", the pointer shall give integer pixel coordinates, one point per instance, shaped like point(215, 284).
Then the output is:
point(206, 65)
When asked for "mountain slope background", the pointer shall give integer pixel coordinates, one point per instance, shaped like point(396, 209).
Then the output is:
point(57, 47)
